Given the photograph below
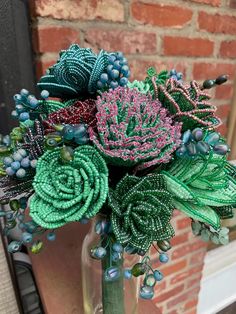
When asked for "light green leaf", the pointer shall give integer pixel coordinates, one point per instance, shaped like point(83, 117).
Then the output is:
point(177, 188)
point(201, 213)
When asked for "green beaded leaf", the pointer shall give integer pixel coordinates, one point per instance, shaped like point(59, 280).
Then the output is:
point(201, 183)
point(66, 192)
point(197, 212)
point(141, 211)
point(187, 104)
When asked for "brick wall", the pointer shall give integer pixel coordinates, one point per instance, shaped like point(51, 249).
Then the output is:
point(196, 37)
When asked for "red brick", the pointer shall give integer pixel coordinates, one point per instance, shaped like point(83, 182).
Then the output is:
point(54, 39)
point(128, 42)
point(176, 213)
point(224, 91)
point(174, 268)
point(232, 4)
point(173, 312)
point(228, 49)
point(183, 297)
point(217, 23)
point(223, 111)
point(186, 249)
point(195, 281)
point(183, 223)
point(179, 238)
point(189, 47)
point(42, 66)
point(112, 10)
point(169, 294)
point(190, 304)
point(160, 287)
point(194, 311)
point(161, 14)
point(223, 129)
point(186, 274)
point(139, 67)
point(214, 3)
point(197, 258)
point(204, 70)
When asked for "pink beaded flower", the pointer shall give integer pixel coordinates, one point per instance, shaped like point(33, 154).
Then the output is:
point(187, 103)
point(133, 129)
point(78, 112)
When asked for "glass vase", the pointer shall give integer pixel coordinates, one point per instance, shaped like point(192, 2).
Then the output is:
point(99, 295)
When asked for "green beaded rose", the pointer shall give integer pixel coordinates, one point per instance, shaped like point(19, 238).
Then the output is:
point(66, 192)
point(141, 211)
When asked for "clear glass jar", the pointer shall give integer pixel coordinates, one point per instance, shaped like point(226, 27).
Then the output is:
point(99, 296)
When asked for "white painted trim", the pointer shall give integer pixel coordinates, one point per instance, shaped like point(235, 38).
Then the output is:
point(218, 288)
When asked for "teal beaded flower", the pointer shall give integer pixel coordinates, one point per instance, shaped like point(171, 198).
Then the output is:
point(76, 72)
point(204, 187)
point(66, 192)
point(141, 211)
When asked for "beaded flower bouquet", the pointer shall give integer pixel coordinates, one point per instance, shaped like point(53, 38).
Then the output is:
point(129, 153)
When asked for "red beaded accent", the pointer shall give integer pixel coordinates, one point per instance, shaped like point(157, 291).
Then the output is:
point(79, 112)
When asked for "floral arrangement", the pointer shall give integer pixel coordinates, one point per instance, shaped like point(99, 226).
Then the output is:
point(130, 152)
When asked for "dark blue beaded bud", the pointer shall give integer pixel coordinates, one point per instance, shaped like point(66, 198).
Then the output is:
point(150, 280)
point(68, 132)
point(111, 274)
point(123, 81)
point(163, 258)
point(146, 292)
point(197, 134)
point(24, 92)
point(221, 149)
point(117, 247)
point(27, 237)
point(117, 65)
point(15, 165)
point(116, 256)
point(212, 138)
point(7, 161)
point(51, 236)
point(104, 78)
point(14, 246)
point(111, 58)
point(191, 149)
point(14, 114)
point(24, 116)
point(127, 274)
point(130, 249)
point(114, 84)
point(44, 94)
point(186, 136)
point(202, 148)
point(114, 74)
point(100, 85)
point(158, 275)
point(98, 252)
point(84, 221)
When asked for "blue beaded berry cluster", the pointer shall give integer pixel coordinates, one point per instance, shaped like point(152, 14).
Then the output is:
point(198, 141)
point(30, 229)
point(116, 74)
point(19, 163)
point(108, 246)
point(175, 75)
point(25, 103)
